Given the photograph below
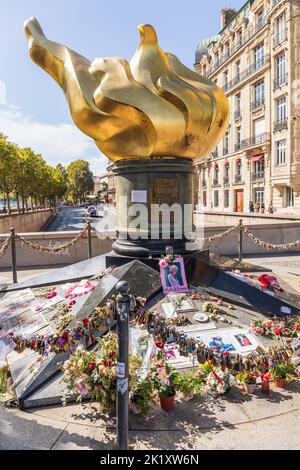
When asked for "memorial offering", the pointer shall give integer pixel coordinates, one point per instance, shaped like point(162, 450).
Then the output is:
point(172, 274)
point(13, 304)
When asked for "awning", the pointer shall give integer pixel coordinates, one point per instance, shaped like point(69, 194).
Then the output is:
point(258, 157)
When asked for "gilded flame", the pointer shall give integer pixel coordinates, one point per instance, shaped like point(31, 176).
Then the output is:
point(152, 107)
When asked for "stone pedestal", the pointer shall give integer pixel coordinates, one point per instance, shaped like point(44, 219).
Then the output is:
point(141, 187)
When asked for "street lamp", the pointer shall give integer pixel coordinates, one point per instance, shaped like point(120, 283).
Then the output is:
point(21, 163)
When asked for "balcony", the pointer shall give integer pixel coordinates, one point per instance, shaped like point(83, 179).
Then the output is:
point(255, 67)
point(225, 150)
point(226, 180)
point(216, 182)
point(237, 114)
point(236, 46)
point(255, 140)
point(258, 175)
point(204, 184)
point(279, 38)
point(238, 179)
point(280, 81)
point(237, 146)
point(214, 154)
point(258, 103)
point(280, 125)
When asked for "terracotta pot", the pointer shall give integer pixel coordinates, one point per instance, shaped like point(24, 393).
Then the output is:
point(265, 387)
point(167, 403)
point(249, 388)
point(280, 383)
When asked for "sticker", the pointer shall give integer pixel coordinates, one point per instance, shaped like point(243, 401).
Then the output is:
point(284, 309)
point(122, 386)
point(139, 196)
point(121, 370)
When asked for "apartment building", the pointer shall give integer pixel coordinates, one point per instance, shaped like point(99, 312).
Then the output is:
point(255, 58)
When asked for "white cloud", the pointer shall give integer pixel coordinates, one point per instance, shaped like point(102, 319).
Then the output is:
point(60, 143)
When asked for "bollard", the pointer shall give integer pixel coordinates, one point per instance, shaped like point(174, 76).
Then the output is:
point(13, 256)
point(89, 238)
point(123, 307)
point(240, 241)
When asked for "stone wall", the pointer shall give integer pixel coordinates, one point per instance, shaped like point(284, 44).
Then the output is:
point(232, 218)
point(27, 257)
point(28, 222)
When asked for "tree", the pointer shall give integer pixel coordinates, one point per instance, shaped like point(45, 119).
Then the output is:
point(80, 180)
point(8, 168)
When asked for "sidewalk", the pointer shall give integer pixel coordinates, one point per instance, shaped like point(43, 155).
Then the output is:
point(230, 422)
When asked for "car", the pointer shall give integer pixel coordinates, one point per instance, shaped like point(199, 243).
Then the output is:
point(92, 210)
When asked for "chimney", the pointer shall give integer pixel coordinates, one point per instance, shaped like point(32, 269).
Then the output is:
point(226, 15)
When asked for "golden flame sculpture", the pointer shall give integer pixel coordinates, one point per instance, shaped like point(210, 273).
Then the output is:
point(154, 107)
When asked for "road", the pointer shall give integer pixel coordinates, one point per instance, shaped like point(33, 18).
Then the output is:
point(75, 218)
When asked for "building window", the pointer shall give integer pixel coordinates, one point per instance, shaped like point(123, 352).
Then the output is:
point(239, 168)
point(226, 198)
point(239, 41)
point(280, 30)
point(260, 16)
point(288, 197)
point(281, 113)
point(204, 198)
point(259, 169)
point(226, 171)
point(238, 136)
point(216, 174)
point(225, 80)
point(259, 94)
point(258, 196)
point(259, 56)
point(280, 152)
point(216, 198)
point(238, 70)
point(280, 70)
point(226, 143)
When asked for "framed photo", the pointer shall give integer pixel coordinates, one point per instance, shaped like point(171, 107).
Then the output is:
point(173, 277)
point(14, 304)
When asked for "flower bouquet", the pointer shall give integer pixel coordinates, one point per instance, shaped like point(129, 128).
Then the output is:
point(188, 385)
point(248, 381)
point(94, 374)
point(217, 381)
point(163, 377)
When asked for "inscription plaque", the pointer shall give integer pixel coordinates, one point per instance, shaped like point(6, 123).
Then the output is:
point(165, 191)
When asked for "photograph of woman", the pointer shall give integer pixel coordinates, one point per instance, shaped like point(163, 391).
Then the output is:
point(173, 277)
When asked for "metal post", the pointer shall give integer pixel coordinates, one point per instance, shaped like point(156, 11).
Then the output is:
point(240, 241)
point(123, 307)
point(89, 237)
point(13, 256)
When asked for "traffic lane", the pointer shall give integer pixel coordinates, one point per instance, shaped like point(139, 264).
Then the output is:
point(68, 219)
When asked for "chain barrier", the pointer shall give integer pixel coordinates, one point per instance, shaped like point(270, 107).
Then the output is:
point(5, 246)
point(58, 249)
point(238, 228)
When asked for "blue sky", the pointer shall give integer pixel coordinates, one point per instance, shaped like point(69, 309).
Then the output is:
point(33, 110)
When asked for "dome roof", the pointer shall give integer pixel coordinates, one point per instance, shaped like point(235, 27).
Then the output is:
point(202, 48)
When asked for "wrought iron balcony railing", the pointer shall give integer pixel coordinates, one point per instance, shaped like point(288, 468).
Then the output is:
point(279, 38)
point(280, 81)
point(258, 103)
point(237, 114)
point(255, 140)
point(280, 125)
point(253, 68)
point(225, 150)
point(216, 182)
point(258, 175)
point(238, 179)
point(236, 46)
point(237, 146)
point(226, 180)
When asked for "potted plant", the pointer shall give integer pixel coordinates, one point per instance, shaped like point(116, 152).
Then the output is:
point(265, 383)
point(217, 381)
point(163, 378)
point(188, 384)
point(281, 372)
point(248, 380)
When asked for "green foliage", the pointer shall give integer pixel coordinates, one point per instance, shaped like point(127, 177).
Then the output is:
point(283, 370)
point(79, 180)
point(188, 384)
point(26, 176)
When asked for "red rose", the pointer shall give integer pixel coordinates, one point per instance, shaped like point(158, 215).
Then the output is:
point(106, 362)
point(159, 345)
point(92, 366)
point(277, 332)
point(85, 321)
point(296, 327)
point(112, 354)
